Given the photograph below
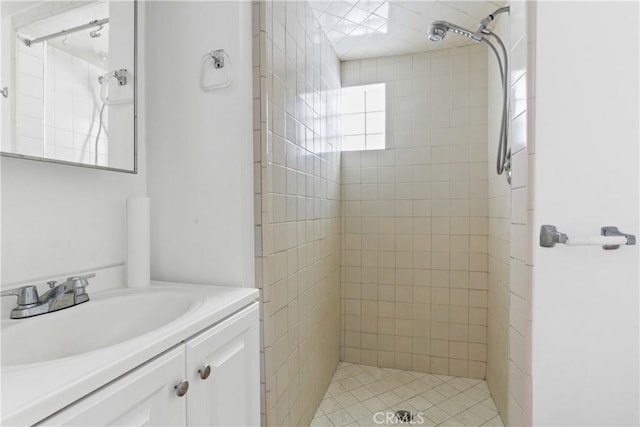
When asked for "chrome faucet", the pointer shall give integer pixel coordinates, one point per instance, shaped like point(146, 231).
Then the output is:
point(71, 292)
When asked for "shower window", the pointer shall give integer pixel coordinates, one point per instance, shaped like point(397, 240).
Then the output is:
point(363, 117)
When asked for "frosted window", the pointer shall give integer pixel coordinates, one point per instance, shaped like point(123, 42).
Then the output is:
point(363, 117)
point(375, 122)
point(353, 124)
point(375, 141)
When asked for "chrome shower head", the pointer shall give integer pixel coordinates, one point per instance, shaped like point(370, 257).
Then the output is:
point(439, 29)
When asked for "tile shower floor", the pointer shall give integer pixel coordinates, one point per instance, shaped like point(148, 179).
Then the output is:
point(370, 396)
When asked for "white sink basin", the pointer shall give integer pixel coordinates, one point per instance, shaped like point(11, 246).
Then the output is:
point(53, 360)
point(105, 320)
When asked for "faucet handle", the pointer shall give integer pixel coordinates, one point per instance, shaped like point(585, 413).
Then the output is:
point(86, 276)
point(80, 281)
point(27, 295)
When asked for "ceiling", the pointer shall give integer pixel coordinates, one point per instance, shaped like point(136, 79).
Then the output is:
point(370, 28)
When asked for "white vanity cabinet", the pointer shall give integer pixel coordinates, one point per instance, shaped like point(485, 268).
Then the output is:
point(144, 397)
point(221, 365)
point(223, 371)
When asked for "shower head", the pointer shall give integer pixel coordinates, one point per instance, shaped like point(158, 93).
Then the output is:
point(439, 29)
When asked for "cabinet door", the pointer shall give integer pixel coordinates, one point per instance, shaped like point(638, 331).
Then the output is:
point(230, 396)
point(144, 397)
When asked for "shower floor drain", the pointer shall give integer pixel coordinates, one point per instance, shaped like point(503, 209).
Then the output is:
point(404, 416)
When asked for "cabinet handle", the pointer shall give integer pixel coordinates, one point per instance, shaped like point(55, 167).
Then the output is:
point(205, 371)
point(182, 388)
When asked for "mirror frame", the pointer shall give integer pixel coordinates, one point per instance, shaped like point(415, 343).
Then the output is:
point(135, 117)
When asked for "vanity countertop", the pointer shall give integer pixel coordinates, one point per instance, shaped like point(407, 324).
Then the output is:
point(32, 392)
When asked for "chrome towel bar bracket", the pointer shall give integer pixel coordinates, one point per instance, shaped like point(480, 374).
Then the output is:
point(549, 236)
point(610, 238)
point(613, 231)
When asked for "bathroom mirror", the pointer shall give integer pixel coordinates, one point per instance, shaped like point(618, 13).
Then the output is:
point(70, 78)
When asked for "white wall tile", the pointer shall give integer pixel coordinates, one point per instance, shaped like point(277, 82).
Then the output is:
point(422, 224)
point(300, 219)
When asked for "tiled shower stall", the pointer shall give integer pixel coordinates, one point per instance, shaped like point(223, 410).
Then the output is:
point(382, 258)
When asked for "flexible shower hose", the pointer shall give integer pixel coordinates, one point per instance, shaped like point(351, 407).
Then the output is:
point(95, 158)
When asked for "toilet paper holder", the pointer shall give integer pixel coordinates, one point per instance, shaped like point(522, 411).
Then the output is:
point(610, 238)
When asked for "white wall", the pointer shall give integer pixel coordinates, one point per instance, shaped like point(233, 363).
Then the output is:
point(585, 300)
point(58, 219)
point(121, 55)
point(200, 144)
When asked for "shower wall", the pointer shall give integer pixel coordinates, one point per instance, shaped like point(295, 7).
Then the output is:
point(511, 233)
point(415, 218)
point(297, 201)
point(57, 105)
point(499, 241)
point(523, 235)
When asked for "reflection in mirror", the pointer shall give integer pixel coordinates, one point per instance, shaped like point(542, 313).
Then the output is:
point(72, 67)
